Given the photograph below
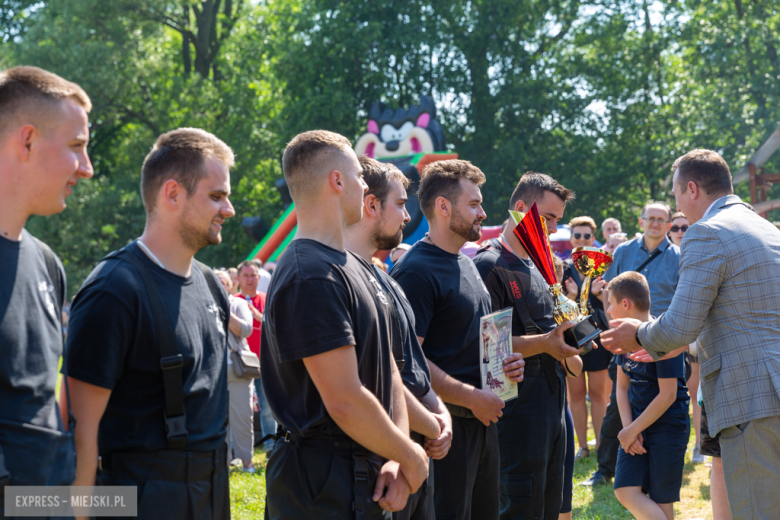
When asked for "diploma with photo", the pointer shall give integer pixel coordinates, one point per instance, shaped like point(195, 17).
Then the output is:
point(496, 346)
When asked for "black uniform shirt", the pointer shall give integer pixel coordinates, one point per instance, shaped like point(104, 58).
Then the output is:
point(448, 299)
point(321, 299)
point(513, 282)
point(112, 344)
point(30, 349)
point(416, 374)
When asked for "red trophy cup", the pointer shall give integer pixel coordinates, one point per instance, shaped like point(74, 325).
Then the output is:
point(532, 233)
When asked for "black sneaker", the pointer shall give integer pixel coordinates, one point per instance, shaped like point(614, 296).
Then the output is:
point(597, 479)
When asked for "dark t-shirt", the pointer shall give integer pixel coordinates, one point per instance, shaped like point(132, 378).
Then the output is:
point(112, 344)
point(643, 385)
point(448, 299)
point(512, 282)
point(30, 349)
point(321, 299)
point(416, 374)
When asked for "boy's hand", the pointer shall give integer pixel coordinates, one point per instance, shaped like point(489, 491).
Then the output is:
point(628, 437)
point(638, 447)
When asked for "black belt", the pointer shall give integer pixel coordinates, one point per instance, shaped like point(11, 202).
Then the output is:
point(362, 485)
point(460, 411)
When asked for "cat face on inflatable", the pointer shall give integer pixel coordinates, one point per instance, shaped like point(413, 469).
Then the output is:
point(401, 132)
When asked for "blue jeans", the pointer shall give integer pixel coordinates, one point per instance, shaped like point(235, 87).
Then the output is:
point(267, 421)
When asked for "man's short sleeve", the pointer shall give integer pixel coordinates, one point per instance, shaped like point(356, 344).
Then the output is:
point(310, 318)
point(101, 330)
point(421, 297)
point(670, 368)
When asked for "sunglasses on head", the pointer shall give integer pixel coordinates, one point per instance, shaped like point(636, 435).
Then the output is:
point(586, 236)
point(677, 229)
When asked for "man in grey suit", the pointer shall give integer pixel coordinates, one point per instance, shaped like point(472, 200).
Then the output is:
point(727, 296)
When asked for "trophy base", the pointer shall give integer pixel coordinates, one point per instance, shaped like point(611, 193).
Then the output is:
point(580, 335)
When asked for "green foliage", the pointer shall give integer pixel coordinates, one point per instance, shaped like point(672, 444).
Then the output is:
point(601, 95)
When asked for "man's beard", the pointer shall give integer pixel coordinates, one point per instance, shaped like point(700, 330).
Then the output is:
point(386, 242)
point(195, 238)
point(463, 228)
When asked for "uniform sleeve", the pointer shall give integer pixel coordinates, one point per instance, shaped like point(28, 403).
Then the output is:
point(310, 318)
point(421, 296)
point(100, 333)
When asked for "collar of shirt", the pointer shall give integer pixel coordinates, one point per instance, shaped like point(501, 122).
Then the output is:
point(661, 247)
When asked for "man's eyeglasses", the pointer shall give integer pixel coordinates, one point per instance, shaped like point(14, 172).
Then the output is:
point(658, 221)
point(586, 236)
point(677, 229)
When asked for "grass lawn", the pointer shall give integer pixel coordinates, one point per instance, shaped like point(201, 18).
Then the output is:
point(247, 492)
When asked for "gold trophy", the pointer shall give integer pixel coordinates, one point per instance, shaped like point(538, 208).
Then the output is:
point(531, 230)
point(590, 262)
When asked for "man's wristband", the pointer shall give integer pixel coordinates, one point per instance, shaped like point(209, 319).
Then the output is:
point(637, 337)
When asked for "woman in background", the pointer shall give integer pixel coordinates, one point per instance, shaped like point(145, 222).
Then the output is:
point(240, 414)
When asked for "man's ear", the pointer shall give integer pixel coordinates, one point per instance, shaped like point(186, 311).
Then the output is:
point(521, 207)
point(25, 140)
point(694, 190)
point(171, 194)
point(443, 207)
point(371, 205)
point(336, 181)
point(627, 304)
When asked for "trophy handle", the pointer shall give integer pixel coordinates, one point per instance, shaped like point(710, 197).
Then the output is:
point(584, 295)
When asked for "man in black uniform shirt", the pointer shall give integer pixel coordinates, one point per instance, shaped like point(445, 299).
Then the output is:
point(448, 299)
point(327, 366)
point(44, 133)
point(157, 420)
point(532, 433)
point(381, 228)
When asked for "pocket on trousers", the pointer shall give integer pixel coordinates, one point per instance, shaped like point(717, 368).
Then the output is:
point(520, 486)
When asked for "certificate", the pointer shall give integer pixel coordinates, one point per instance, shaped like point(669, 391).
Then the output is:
point(496, 346)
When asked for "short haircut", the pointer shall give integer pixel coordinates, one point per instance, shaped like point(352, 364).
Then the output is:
point(653, 203)
point(678, 214)
point(707, 169)
point(307, 156)
point(611, 220)
point(247, 263)
point(232, 270)
point(257, 262)
point(378, 177)
point(583, 221)
point(180, 155)
point(532, 186)
point(30, 94)
point(442, 179)
point(631, 286)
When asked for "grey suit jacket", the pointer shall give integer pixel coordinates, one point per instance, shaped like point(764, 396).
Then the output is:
point(729, 297)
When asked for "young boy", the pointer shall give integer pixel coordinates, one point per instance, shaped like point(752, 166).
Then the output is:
point(653, 402)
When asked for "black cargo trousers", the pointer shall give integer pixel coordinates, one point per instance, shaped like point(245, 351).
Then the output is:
point(532, 440)
point(172, 484)
point(322, 478)
point(610, 428)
